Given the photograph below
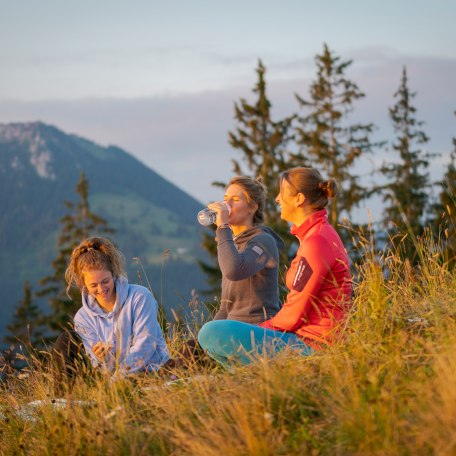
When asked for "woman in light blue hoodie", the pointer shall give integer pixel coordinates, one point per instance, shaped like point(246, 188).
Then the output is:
point(117, 322)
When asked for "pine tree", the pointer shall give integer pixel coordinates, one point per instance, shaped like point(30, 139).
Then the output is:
point(78, 224)
point(446, 208)
point(406, 193)
point(330, 143)
point(26, 325)
point(448, 201)
point(263, 143)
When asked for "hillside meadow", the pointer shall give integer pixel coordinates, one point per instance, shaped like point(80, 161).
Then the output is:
point(388, 388)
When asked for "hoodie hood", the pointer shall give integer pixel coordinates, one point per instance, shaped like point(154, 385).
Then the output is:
point(246, 235)
point(91, 305)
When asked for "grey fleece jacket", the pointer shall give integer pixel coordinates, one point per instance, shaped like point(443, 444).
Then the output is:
point(250, 274)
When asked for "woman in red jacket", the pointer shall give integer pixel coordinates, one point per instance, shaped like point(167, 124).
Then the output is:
point(318, 280)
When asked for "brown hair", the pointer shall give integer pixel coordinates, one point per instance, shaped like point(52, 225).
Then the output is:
point(255, 192)
point(96, 253)
point(311, 184)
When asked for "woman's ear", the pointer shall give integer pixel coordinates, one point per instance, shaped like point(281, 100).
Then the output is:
point(299, 199)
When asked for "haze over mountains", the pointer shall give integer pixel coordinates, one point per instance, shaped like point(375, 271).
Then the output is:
point(39, 169)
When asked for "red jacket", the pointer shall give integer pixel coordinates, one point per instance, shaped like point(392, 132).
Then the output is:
point(319, 283)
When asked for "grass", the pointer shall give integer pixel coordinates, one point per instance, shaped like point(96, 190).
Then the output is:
point(389, 388)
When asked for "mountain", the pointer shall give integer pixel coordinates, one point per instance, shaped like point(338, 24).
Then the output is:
point(154, 220)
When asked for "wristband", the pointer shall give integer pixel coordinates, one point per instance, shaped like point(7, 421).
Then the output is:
point(224, 225)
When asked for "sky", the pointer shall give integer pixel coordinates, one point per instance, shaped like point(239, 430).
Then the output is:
point(160, 79)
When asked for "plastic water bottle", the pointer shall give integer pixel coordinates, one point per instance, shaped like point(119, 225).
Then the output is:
point(208, 217)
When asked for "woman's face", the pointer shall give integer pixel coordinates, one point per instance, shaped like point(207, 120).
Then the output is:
point(241, 211)
point(286, 200)
point(100, 284)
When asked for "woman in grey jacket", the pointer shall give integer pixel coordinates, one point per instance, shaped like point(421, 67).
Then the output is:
point(248, 254)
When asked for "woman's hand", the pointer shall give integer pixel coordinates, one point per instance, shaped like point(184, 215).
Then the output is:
point(223, 212)
point(101, 350)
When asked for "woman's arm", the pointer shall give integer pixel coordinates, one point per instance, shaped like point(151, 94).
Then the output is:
point(314, 261)
point(258, 254)
point(88, 334)
point(148, 348)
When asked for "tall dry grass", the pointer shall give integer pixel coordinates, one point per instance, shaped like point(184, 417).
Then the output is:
point(387, 388)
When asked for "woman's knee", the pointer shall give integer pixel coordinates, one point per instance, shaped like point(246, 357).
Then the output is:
point(224, 336)
point(218, 330)
point(207, 334)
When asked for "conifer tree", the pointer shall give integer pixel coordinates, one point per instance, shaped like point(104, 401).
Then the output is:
point(448, 201)
point(406, 193)
point(26, 325)
point(263, 144)
point(446, 208)
point(79, 223)
point(326, 137)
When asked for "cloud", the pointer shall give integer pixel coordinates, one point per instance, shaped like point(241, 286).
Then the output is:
point(184, 137)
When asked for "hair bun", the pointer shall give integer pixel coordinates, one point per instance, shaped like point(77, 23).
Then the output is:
point(329, 187)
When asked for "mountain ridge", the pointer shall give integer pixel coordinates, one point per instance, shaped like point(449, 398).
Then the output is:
point(40, 166)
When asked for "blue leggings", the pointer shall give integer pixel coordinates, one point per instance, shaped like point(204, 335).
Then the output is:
point(231, 341)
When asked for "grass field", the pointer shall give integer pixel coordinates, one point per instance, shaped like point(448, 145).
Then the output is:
point(389, 388)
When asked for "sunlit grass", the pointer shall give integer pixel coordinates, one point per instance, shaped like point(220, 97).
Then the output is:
point(387, 388)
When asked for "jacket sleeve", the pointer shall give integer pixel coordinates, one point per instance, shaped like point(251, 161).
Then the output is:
point(314, 261)
point(235, 265)
point(147, 338)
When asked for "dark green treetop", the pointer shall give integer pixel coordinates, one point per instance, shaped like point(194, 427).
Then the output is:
point(79, 223)
point(406, 193)
point(263, 143)
point(25, 327)
point(327, 139)
point(446, 208)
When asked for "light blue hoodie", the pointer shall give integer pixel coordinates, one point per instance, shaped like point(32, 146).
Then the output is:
point(131, 328)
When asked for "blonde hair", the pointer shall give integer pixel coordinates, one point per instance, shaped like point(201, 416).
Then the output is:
point(311, 184)
point(255, 193)
point(95, 253)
